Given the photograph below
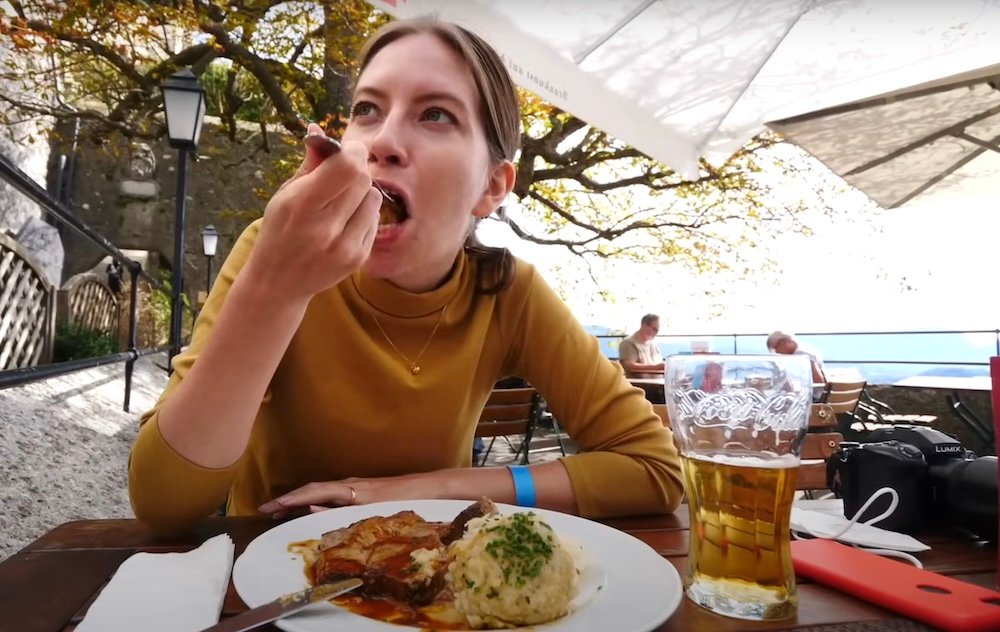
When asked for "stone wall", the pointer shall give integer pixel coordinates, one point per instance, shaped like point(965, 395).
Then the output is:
point(23, 143)
point(927, 401)
point(227, 186)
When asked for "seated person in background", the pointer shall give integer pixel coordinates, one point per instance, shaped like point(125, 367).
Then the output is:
point(783, 343)
point(638, 353)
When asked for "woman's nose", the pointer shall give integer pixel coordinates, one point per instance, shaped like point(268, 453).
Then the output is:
point(387, 144)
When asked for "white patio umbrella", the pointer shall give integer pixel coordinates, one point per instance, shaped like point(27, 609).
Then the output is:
point(686, 79)
point(934, 139)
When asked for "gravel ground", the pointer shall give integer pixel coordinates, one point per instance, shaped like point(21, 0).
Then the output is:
point(64, 445)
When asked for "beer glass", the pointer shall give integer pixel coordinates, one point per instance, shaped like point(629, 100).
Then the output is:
point(739, 422)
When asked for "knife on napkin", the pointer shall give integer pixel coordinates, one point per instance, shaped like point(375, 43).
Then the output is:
point(283, 606)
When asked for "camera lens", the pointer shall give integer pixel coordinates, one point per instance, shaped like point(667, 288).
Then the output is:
point(969, 488)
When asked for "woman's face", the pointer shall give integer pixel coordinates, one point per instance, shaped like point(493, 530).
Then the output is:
point(417, 108)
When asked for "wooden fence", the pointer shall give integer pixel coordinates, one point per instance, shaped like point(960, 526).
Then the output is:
point(30, 307)
point(27, 309)
point(86, 300)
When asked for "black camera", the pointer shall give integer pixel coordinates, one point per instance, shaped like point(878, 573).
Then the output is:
point(938, 481)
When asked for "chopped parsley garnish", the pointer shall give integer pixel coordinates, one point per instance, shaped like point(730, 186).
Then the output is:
point(521, 550)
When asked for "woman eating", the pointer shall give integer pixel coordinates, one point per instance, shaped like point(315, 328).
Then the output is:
point(344, 358)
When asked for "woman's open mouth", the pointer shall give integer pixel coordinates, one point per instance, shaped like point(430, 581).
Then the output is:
point(393, 210)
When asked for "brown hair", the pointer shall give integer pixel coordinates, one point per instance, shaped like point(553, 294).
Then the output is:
point(648, 319)
point(499, 110)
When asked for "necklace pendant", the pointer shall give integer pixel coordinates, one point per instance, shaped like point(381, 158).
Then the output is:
point(414, 369)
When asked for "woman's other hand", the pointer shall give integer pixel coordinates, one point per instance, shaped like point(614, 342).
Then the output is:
point(349, 491)
point(320, 225)
point(550, 479)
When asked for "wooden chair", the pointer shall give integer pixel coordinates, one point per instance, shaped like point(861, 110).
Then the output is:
point(661, 410)
point(546, 420)
point(843, 398)
point(860, 413)
point(510, 412)
point(820, 443)
point(877, 414)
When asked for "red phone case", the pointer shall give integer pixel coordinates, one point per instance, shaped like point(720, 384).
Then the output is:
point(934, 599)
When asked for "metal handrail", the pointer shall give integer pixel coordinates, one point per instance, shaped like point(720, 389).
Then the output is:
point(833, 333)
point(23, 183)
point(25, 375)
point(16, 377)
point(736, 337)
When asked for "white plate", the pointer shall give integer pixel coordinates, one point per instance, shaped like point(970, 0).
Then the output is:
point(626, 586)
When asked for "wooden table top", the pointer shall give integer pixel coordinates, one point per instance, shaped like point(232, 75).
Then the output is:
point(48, 586)
point(646, 381)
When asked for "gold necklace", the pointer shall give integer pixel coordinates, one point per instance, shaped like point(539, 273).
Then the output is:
point(414, 364)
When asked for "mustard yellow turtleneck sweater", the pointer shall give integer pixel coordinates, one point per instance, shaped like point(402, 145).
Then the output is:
point(343, 403)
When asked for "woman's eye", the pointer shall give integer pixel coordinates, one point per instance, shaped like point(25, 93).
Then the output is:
point(438, 115)
point(362, 108)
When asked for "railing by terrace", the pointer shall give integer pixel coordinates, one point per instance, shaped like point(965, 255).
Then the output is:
point(873, 353)
point(23, 299)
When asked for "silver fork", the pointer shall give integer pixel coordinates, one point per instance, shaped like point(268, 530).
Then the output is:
point(328, 146)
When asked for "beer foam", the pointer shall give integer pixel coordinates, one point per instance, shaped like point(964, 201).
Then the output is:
point(776, 462)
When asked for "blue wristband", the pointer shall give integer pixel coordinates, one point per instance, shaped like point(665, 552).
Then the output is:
point(524, 486)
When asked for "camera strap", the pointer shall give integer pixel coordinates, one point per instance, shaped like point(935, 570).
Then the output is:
point(864, 536)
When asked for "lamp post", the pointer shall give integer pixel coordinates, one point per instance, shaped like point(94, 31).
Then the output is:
point(184, 104)
point(209, 242)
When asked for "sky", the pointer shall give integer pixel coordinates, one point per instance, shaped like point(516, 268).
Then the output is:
point(925, 266)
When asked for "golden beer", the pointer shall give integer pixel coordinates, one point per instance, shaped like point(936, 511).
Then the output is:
point(739, 562)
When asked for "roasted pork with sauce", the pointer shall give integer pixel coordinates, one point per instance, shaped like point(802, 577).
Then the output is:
point(400, 556)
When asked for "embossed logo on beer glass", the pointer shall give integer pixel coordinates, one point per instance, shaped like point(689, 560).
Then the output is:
point(739, 422)
point(740, 409)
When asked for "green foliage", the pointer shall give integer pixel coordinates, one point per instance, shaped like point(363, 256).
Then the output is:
point(74, 342)
point(252, 100)
point(160, 305)
point(162, 299)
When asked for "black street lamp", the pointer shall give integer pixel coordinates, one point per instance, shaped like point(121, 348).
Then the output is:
point(209, 242)
point(184, 104)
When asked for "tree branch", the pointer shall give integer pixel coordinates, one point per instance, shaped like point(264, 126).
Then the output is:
point(123, 66)
point(261, 70)
point(69, 114)
point(301, 46)
point(233, 104)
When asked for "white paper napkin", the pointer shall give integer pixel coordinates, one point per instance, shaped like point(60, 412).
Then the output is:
point(825, 518)
point(168, 592)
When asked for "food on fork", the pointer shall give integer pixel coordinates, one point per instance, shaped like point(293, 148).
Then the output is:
point(393, 209)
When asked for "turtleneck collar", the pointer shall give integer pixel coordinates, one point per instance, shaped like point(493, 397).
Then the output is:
point(395, 301)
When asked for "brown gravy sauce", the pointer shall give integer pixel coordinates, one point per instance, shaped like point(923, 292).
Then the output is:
point(437, 616)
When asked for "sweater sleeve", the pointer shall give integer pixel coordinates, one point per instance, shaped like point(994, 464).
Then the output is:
point(628, 463)
point(168, 492)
